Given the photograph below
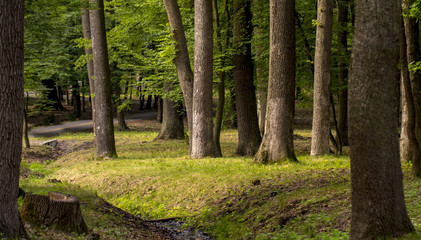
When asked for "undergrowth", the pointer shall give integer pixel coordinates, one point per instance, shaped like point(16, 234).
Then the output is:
point(228, 197)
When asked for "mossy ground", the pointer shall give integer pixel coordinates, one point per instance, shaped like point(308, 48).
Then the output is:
point(229, 197)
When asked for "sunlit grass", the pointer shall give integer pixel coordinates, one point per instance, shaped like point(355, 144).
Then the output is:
point(231, 197)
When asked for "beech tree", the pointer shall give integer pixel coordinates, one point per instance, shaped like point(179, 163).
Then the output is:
point(202, 136)
point(321, 103)
point(378, 206)
point(181, 60)
point(11, 115)
point(104, 127)
point(277, 144)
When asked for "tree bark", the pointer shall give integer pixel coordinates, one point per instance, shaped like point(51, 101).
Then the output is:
point(321, 102)
point(277, 144)
point(222, 45)
point(90, 65)
point(25, 130)
point(182, 60)
point(378, 206)
point(57, 211)
point(202, 137)
point(342, 135)
point(76, 100)
point(11, 115)
point(104, 127)
point(410, 150)
point(414, 56)
point(248, 126)
point(121, 121)
point(172, 121)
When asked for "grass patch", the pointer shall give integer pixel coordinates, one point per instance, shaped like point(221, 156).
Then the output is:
point(229, 197)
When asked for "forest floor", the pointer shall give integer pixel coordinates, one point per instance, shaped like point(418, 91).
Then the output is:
point(228, 198)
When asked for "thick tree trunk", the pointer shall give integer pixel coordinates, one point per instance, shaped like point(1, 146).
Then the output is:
point(414, 56)
point(342, 136)
point(182, 60)
point(321, 102)
point(172, 121)
point(11, 115)
point(202, 137)
point(56, 211)
point(104, 127)
point(410, 150)
point(378, 206)
point(248, 126)
point(277, 144)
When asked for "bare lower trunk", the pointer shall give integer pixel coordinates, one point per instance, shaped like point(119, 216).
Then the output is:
point(277, 144)
point(410, 150)
point(182, 60)
point(321, 103)
point(25, 131)
point(378, 206)
point(202, 137)
point(121, 120)
point(248, 127)
point(172, 121)
point(11, 116)
point(104, 127)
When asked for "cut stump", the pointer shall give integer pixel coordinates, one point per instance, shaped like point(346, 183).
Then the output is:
point(57, 210)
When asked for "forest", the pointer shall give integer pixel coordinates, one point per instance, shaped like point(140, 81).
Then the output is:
point(210, 119)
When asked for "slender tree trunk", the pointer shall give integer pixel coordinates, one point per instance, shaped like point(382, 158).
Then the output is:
point(378, 206)
point(277, 144)
point(413, 51)
point(343, 72)
point(202, 138)
point(76, 100)
point(104, 127)
point(90, 64)
point(248, 126)
point(222, 45)
point(11, 116)
point(321, 102)
point(410, 150)
point(121, 121)
point(25, 130)
point(182, 61)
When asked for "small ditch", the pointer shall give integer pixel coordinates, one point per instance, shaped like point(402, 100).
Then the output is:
point(178, 230)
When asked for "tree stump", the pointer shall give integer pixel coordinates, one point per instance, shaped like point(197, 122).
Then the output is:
point(57, 210)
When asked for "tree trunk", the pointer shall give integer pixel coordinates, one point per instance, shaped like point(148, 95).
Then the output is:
point(342, 135)
point(222, 45)
point(56, 211)
point(160, 110)
point(104, 127)
point(378, 206)
point(410, 150)
point(277, 144)
point(90, 65)
point(76, 100)
point(149, 102)
point(248, 126)
point(182, 60)
point(25, 130)
point(321, 102)
point(413, 51)
point(121, 121)
point(172, 121)
point(202, 137)
point(11, 115)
